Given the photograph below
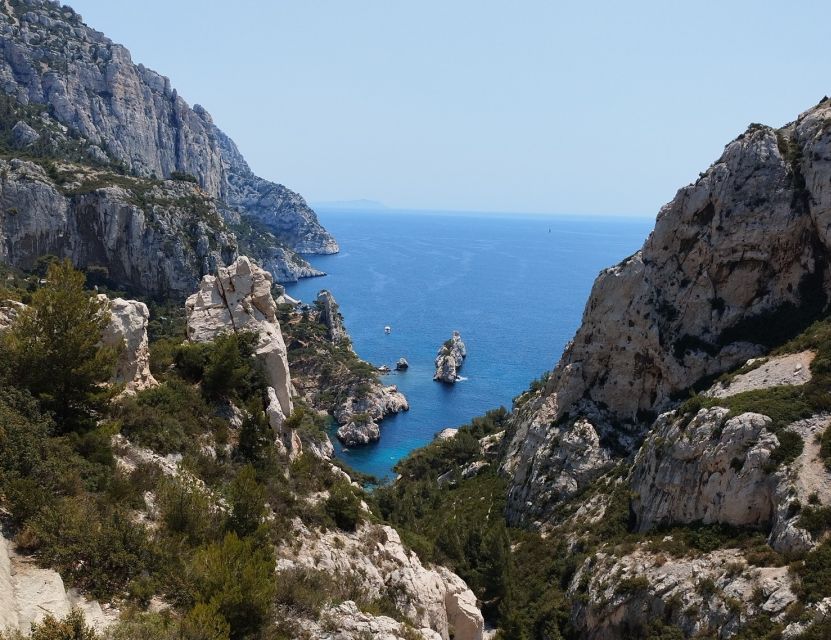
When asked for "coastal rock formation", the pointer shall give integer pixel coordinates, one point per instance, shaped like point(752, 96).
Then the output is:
point(28, 594)
point(402, 364)
point(330, 316)
point(238, 299)
point(374, 556)
point(131, 116)
point(156, 238)
point(736, 263)
point(359, 430)
point(362, 410)
point(127, 330)
point(449, 359)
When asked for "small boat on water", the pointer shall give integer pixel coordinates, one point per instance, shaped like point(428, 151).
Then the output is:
point(388, 329)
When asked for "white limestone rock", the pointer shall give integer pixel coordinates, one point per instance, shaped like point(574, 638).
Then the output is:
point(449, 359)
point(744, 242)
point(127, 331)
point(239, 299)
point(430, 598)
point(699, 593)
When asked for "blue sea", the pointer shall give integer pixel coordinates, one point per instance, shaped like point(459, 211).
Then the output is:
point(514, 285)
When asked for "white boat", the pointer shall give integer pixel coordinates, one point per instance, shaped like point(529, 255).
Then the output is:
point(388, 329)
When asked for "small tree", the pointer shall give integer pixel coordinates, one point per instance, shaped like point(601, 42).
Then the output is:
point(54, 349)
point(236, 578)
point(247, 500)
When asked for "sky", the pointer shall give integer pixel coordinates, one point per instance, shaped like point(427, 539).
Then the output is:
point(529, 106)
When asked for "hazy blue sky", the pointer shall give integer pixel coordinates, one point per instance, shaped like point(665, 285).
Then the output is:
point(534, 105)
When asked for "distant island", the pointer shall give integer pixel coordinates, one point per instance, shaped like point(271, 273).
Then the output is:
point(362, 204)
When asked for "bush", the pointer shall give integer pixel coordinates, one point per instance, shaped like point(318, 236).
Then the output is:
point(815, 574)
point(235, 577)
point(247, 500)
point(187, 509)
point(99, 551)
point(344, 507)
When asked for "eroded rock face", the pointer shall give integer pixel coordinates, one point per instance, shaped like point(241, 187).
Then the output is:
point(127, 331)
point(714, 591)
point(239, 299)
point(710, 470)
point(449, 359)
point(330, 316)
point(730, 261)
point(715, 469)
point(429, 598)
point(162, 247)
point(361, 411)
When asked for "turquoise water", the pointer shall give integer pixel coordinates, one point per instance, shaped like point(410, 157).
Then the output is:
point(513, 285)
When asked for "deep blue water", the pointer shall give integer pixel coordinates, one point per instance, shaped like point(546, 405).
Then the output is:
point(513, 289)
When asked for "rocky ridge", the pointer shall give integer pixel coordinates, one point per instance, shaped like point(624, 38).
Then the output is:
point(736, 263)
point(125, 115)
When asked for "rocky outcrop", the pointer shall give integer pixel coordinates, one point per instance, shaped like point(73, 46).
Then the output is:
point(736, 262)
point(713, 468)
point(153, 237)
point(132, 116)
point(9, 310)
point(330, 316)
point(710, 593)
point(402, 364)
point(362, 410)
point(28, 594)
point(127, 331)
point(359, 430)
point(431, 598)
point(449, 359)
point(239, 299)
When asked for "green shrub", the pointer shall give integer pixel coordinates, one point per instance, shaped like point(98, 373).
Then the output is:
point(344, 507)
point(247, 500)
point(815, 574)
point(204, 622)
point(815, 519)
point(188, 510)
point(99, 551)
point(235, 577)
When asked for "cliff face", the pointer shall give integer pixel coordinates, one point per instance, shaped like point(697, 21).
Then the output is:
point(131, 116)
point(737, 262)
point(151, 236)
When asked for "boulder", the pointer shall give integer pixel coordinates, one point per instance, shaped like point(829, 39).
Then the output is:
point(402, 365)
point(23, 135)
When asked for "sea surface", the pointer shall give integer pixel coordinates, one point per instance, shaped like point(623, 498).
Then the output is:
point(514, 285)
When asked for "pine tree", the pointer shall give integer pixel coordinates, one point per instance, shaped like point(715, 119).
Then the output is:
point(54, 349)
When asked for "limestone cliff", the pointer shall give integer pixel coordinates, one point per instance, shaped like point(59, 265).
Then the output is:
point(155, 237)
point(736, 263)
point(130, 116)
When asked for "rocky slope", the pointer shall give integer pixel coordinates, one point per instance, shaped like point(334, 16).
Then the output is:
point(736, 263)
point(129, 116)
